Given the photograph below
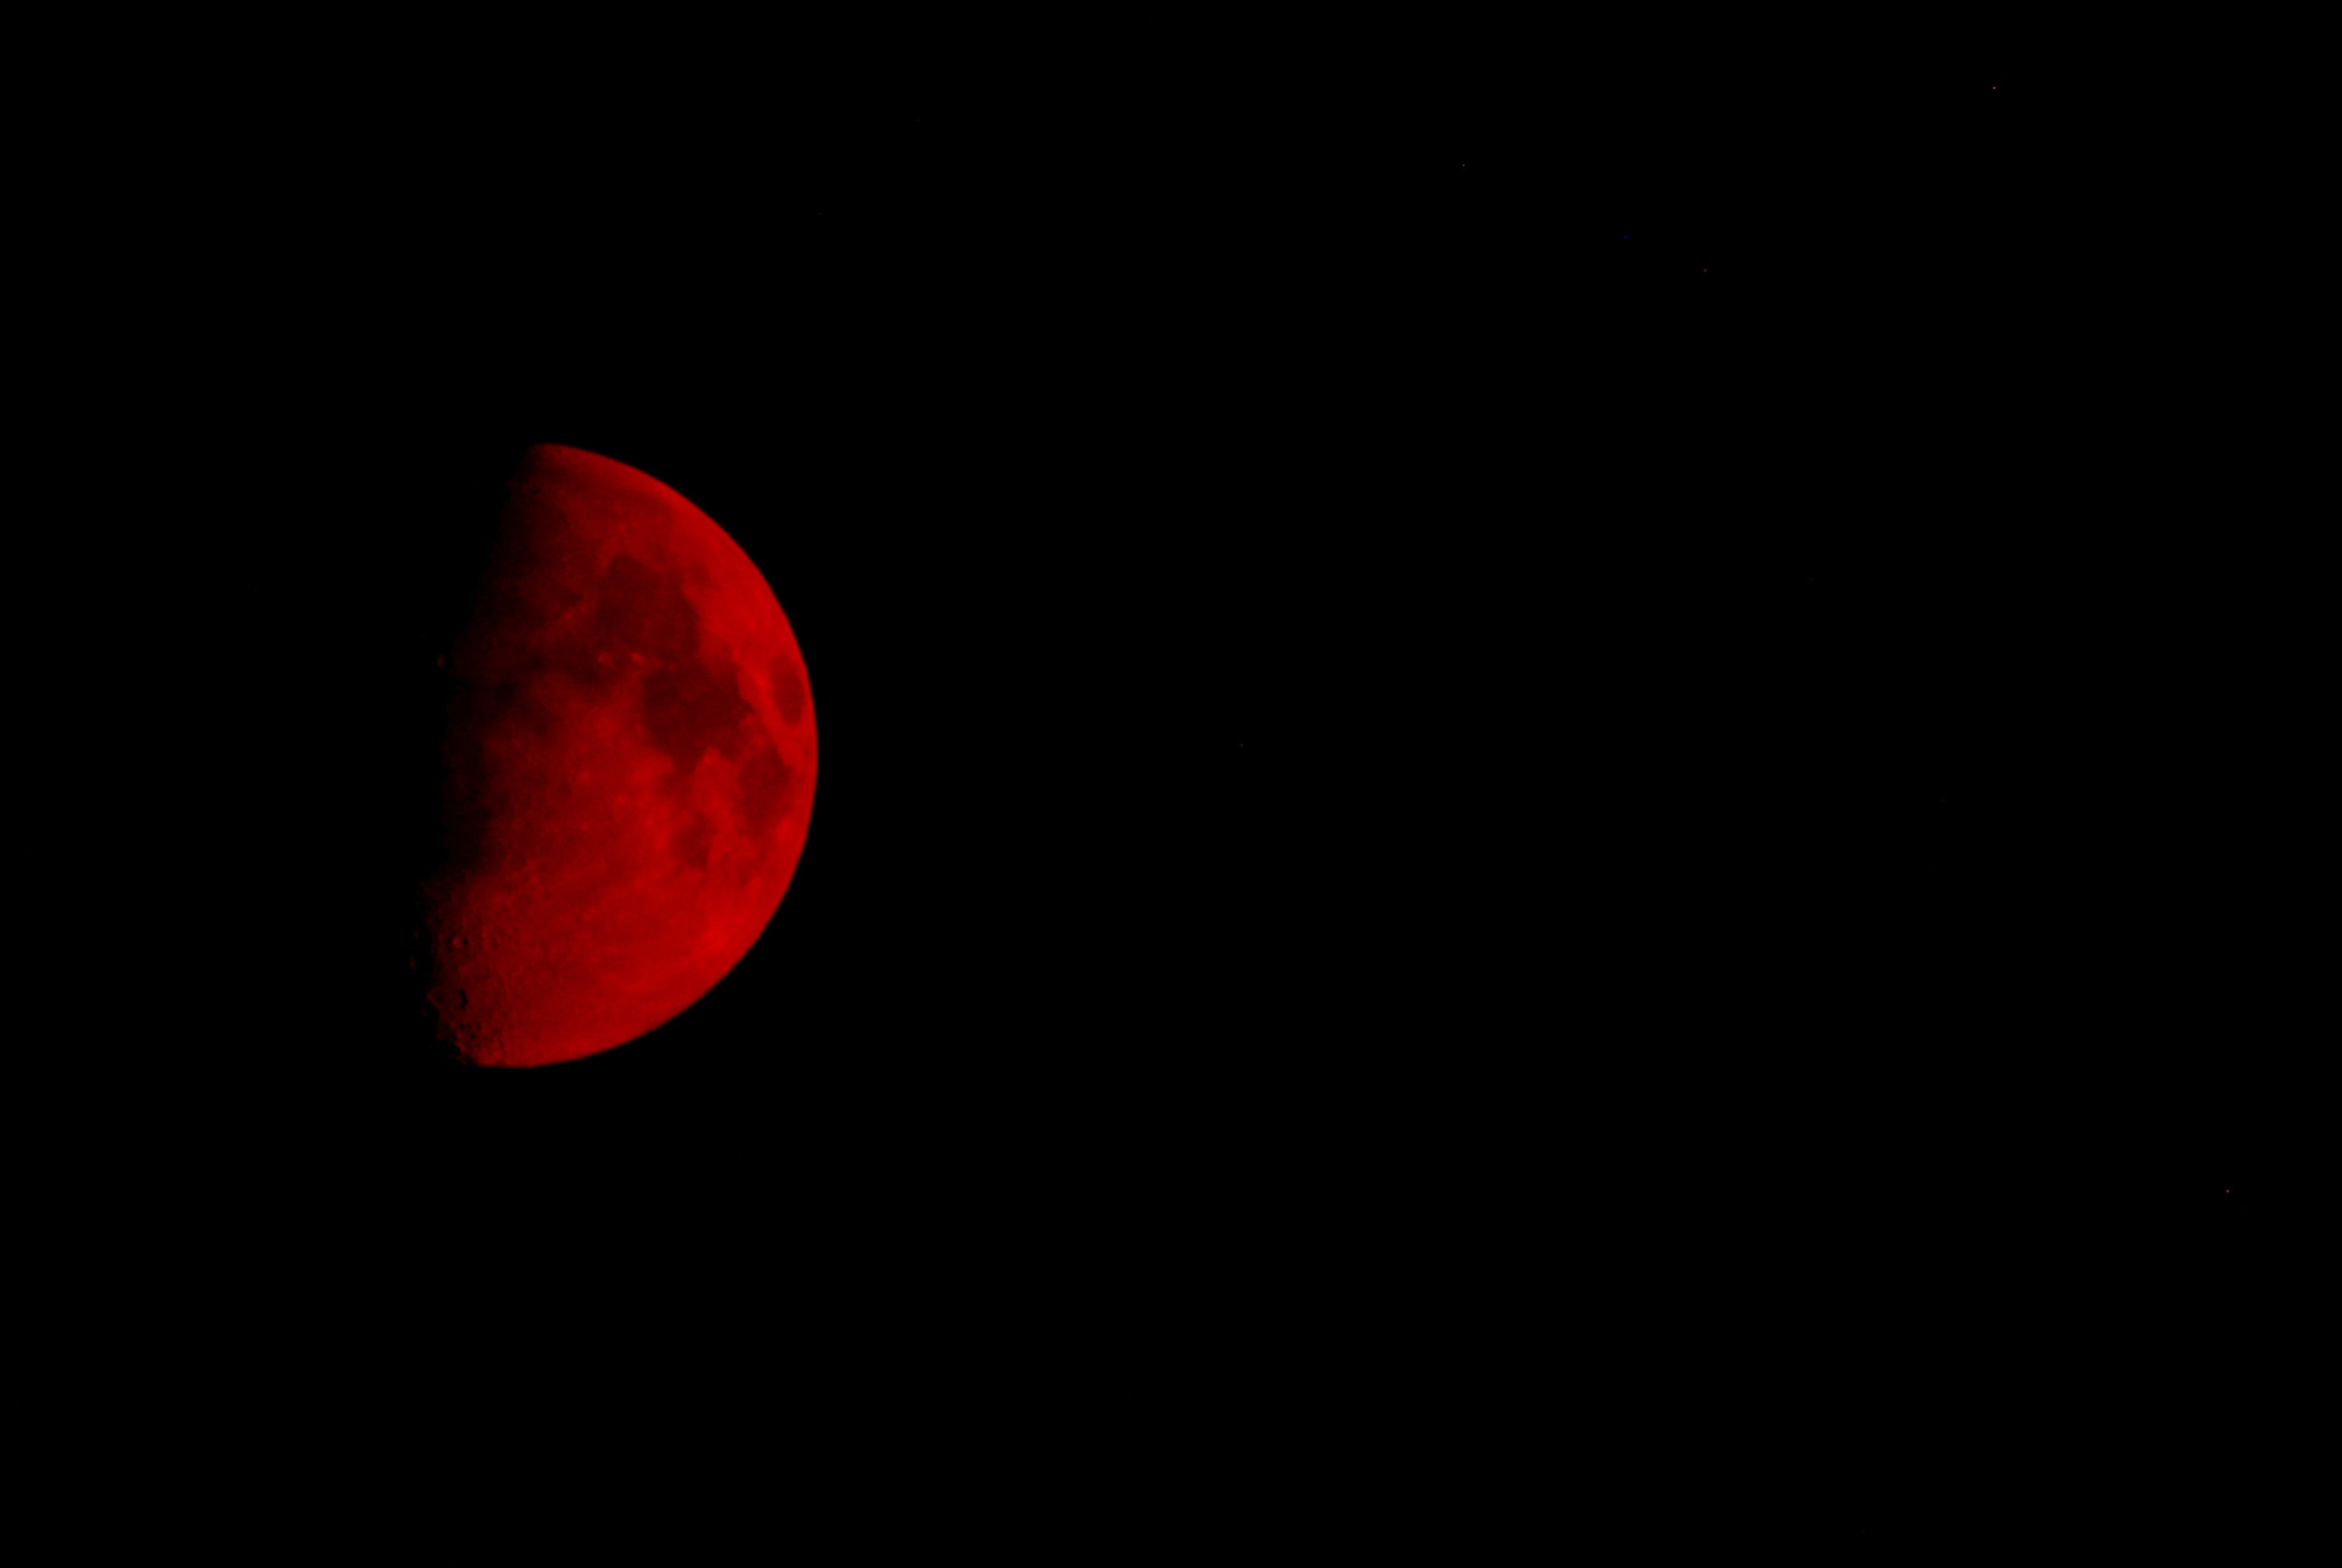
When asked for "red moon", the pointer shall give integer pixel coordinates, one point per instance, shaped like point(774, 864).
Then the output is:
point(626, 772)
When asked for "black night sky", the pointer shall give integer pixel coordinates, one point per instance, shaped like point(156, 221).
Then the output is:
point(1593, 776)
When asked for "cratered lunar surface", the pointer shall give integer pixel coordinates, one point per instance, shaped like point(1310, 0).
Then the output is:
point(626, 772)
